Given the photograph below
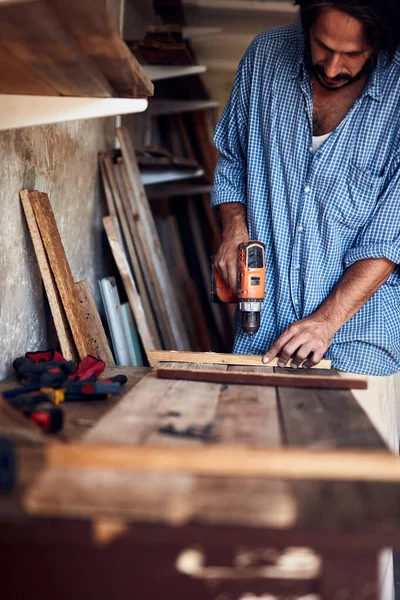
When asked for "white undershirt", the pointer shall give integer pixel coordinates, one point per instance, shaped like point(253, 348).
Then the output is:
point(318, 140)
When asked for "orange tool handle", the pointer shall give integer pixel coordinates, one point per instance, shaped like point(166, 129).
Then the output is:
point(251, 271)
point(220, 291)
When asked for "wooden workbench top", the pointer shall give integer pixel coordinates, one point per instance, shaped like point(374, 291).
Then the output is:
point(178, 413)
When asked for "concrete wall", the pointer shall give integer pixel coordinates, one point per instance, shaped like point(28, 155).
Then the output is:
point(62, 161)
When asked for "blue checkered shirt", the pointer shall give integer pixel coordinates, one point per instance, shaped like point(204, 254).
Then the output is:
point(316, 214)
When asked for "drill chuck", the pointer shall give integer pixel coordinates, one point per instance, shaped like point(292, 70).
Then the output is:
point(250, 316)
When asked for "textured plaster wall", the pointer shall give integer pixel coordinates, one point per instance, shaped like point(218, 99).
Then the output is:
point(62, 161)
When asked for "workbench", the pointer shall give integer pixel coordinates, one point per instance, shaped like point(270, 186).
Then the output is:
point(150, 535)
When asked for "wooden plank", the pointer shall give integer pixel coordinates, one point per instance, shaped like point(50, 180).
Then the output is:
point(17, 79)
point(46, 49)
point(274, 379)
point(249, 415)
point(61, 324)
point(107, 188)
point(92, 28)
point(167, 295)
point(115, 184)
point(136, 228)
point(230, 461)
point(153, 404)
point(220, 358)
point(96, 329)
point(62, 273)
point(114, 238)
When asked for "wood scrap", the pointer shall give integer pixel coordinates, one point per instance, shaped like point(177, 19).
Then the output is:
point(62, 272)
point(163, 45)
point(274, 379)
point(166, 292)
point(232, 461)
point(114, 237)
point(96, 328)
point(115, 181)
point(61, 324)
point(221, 359)
point(145, 259)
point(47, 50)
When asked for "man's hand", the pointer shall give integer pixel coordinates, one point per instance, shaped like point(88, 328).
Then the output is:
point(306, 340)
point(234, 233)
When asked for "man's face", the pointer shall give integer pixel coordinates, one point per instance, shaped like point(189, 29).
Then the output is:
point(339, 50)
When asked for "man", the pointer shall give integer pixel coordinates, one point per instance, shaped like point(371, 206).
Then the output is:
point(330, 217)
point(310, 165)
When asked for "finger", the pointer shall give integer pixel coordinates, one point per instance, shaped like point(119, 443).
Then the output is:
point(301, 355)
point(314, 359)
point(293, 347)
point(277, 346)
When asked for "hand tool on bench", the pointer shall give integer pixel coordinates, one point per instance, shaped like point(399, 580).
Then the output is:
point(250, 286)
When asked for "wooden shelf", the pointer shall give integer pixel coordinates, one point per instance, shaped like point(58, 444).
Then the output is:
point(151, 177)
point(177, 189)
point(170, 107)
point(157, 73)
point(24, 111)
point(253, 6)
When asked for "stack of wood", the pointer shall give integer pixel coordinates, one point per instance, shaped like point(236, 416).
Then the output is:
point(53, 47)
point(77, 322)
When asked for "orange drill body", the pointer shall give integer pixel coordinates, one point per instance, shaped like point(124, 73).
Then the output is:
point(250, 286)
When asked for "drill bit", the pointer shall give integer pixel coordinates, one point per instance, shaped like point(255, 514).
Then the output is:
point(251, 343)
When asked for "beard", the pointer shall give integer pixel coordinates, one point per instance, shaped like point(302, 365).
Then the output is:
point(343, 78)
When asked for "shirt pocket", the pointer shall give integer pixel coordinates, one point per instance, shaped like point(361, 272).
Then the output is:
point(355, 200)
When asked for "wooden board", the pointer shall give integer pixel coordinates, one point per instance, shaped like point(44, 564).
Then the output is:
point(61, 324)
point(48, 51)
point(274, 379)
point(107, 188)
point(232, 461)
point(62, 273)
point(96, 329)
point(144, 257)
point(117, 192)
point(17, 79)
point(92, 28)
point(166, 292)
point(114, 237)
point(221, 359)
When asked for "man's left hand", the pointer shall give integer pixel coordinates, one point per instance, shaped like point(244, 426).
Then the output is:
point(306, 340)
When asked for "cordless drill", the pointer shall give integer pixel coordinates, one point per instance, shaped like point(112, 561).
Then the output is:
point(250, 285)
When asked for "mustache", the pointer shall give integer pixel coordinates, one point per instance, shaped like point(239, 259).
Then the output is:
point(340, 77)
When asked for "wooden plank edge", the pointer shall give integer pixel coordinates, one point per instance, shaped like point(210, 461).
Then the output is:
point(270, 379)
point(231, 461)
point(221, 359)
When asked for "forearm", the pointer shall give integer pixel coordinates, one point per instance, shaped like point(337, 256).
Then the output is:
point(234, 220)
point(357, 285)
point(308, 339)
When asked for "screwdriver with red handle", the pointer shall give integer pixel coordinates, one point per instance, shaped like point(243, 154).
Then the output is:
point(40, 410)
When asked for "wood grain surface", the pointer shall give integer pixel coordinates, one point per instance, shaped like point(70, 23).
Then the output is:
point(61, 324)
point(221, 359)
point(96, 329)
point(62, 273)
point(48, 51)
point(260, 379)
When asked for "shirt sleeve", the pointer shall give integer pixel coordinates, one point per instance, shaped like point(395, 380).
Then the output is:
point(231, 139)
point(380, 236)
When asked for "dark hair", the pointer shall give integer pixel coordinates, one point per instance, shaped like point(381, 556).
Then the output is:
point(379, 17)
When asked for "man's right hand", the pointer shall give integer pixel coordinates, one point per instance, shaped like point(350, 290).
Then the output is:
point(234, 232)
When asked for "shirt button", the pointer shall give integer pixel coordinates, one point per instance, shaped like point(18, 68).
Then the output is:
point(300, 228)
point(307, 189)
point(297, 267)
point(296, 301)
point(311, 149)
